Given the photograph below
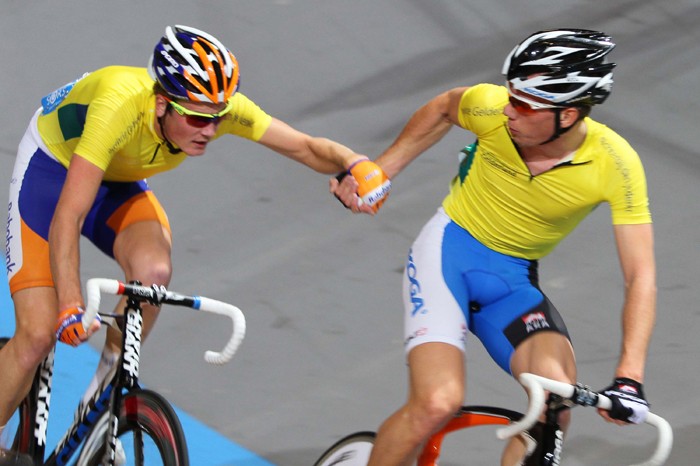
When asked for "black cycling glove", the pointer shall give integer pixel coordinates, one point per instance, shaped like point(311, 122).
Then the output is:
point(628, 402)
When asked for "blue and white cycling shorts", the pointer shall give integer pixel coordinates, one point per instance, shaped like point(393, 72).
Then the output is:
point(37, 181)
point(453, 283)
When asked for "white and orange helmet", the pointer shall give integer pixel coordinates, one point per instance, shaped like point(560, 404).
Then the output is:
point(192, 65)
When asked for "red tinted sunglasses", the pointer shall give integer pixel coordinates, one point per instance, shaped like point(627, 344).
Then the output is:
point(526, 106)
point(198, 119)
point(520, 106)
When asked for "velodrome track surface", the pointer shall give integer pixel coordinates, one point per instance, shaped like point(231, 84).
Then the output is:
point(320, 287)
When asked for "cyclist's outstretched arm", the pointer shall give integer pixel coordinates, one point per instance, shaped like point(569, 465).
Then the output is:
point(320, 154)
point(428, 125)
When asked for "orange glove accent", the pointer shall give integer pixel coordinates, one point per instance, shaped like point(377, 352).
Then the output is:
point(374, 185)
point(69, 329)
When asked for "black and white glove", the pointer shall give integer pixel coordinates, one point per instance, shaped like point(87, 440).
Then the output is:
point(628, 402)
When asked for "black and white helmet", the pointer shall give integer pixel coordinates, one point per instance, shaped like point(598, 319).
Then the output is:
point(561, 68)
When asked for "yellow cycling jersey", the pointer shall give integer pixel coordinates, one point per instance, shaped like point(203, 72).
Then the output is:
point(510, 211)
point(107, 117)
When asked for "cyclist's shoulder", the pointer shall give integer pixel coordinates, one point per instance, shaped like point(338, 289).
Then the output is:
point(115, 74)
point(247, 119)
point(485, 93)
point(605, 141)
point(242, 102)
point(481, 107)
point(117, 79)
point(477, 94)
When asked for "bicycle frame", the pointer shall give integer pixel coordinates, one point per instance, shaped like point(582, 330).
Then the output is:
point(125, 378)
point(467, 416)
point(355, 449)
point(34, 410)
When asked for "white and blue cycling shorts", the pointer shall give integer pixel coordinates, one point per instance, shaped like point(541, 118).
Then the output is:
point(454, 284)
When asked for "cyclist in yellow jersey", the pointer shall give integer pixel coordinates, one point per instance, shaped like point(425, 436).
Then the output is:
point(81, 168)
point(538, 167)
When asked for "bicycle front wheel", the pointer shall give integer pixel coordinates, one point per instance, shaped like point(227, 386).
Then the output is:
point(353, 450)
point(149, 433)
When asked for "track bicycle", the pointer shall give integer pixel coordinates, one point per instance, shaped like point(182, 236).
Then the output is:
point(355, 449)
point(121, 423)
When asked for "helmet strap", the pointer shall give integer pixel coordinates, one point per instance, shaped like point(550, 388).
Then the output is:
point(558, 130)
point(170, 145)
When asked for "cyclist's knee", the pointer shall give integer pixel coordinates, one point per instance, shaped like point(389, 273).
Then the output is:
point(36, 319)
point(159, 273)
point(32, 345)
point(148, 270)
point(431, 410)
point(143, 252)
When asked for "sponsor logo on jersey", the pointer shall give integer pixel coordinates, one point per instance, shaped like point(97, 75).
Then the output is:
point(50, 102)
point(482, 111)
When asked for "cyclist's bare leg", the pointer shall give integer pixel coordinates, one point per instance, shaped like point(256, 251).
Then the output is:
point(436, 391)
point(36, 315)
point(143, 252)
point(547, 354)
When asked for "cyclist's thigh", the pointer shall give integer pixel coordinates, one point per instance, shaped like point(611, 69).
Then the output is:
point(36, 184)
point(432, 312)
point(119, 206)
point(437, 368)
point(143, 251)
point(548, 354)
point(518, 318)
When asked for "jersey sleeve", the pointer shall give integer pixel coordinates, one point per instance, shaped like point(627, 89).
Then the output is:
point(246, 119)
point(481, 108)
point(626, 189)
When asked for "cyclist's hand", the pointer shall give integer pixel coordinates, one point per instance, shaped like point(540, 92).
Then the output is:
point(69, 329)
point(364, 191)
point(628, 402)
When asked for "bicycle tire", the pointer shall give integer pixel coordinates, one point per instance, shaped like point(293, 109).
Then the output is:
point(148, 428)
point(352, 450)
